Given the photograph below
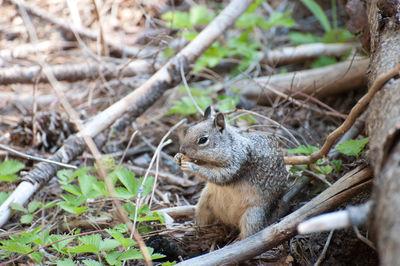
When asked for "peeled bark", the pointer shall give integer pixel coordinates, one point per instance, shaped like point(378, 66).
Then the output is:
point(383, 125)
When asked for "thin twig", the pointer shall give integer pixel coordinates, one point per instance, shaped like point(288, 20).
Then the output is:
point(188, 90)
point(127, 148)
point(363, 238)
point(35, 158)
point(351, 118)
point(271, 121)
point(323, 253)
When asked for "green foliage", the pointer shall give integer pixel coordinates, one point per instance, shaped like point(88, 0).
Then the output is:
point(318, 13)
point(244, 47)
point(3, 197)
point(352, 147)
point(9, 170)
point(332, 33)
point(80, 187)
point(307, 150)
point(323, 61)
point(185, 106)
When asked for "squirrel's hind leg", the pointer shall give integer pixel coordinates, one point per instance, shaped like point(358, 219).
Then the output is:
point(204, 211)
point(252, 221)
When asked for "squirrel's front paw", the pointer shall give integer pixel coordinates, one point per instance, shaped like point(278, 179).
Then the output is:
point(188, 167)
point(178, 159)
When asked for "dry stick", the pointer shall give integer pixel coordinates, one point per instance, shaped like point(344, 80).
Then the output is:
point(73, 72)
point(290, 55)
point(349, 185)
point(308, 80)
point(104, 50)
point(134, 104)
point(351, 118)
point(25, 50)
point(188, 90)
point(84, 32)
point(271, 121)
point(88, 139)
point(35, 158)
point(323, 253)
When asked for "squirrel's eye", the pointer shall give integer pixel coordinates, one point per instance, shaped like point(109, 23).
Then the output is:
point(202, 140)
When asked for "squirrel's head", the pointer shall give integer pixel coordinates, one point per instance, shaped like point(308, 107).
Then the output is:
point(206, 138)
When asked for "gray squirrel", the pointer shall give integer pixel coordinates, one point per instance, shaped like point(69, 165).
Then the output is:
point(245, 173)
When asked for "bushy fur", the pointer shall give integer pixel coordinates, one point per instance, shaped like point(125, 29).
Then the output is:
point(245, 172)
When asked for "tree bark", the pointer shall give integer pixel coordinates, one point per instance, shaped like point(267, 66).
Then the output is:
point(383, 125)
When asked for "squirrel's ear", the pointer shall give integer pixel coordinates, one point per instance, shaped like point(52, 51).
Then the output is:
point(219, 122)
point(209, 112)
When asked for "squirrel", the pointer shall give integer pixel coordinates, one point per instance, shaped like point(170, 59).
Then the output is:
point(244, 171)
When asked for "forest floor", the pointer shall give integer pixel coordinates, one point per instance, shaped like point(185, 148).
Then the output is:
point(91, 74)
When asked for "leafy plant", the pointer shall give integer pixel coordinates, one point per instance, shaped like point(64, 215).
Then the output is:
point(9, 170)
point(352, 147)
point(332, 33)
point(111, 246)
point(243, 47)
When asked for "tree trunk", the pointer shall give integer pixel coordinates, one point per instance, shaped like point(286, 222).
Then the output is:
point(383, 125)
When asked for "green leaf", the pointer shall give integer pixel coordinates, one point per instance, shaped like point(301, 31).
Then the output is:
point(92, 263)
point(75, 210)
point(109, 244)
point(18, 207)
point(352, 147)
point(337, 164)
point(303, 38)
point(3, 197)
point(307, 150)
point(10, 167)
point(125, 242)
point(323, 60)
point(177, 19)
point(129, 208)
point(337, 35)
point(73, 189)
point(128, 179)
point(15, 246)
point(93, 239)
point(112, 257)
point(34, 205)
point(318, 13)
point(131, 254)
point(87, 184)
point(27, 218)
point(60, 246)
point(325, 169)
point(167, 263)
point(123, 193)
point(148, 185)
point(280, 19)
point(36, 256)
point(66, 262)
point(200, 15)
point(83, 249)
point(80, 171)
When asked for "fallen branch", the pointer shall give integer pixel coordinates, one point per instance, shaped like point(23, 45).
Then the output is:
point(351, 118)
point(25, 50)
point(349, 185)
point(134, 104)
point(301, 53)
point(74, 72)
point(323, 81)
